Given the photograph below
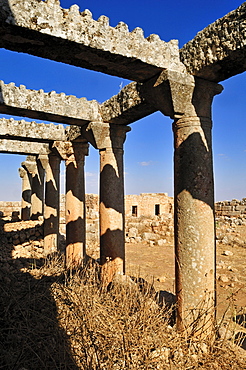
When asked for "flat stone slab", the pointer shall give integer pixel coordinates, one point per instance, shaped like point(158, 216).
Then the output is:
point(44, 29)
point(10, 128)
point(23, 147)
point(61, 108)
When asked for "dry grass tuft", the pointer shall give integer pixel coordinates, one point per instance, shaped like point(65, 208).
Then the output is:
point(57, 319)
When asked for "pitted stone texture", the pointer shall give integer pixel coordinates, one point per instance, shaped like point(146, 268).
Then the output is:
point(126, 107)
point(23, 147)
point(73, 133)
point(49, 106)
point(219, 51)
point(76, 38)
point(31, 130)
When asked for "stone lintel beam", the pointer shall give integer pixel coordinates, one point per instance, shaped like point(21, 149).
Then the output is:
point(219, 51)
point(24, 130)
point(137, 100)
point(61, 108)
point(126, 107)
point(23, 147)
point(44, 29)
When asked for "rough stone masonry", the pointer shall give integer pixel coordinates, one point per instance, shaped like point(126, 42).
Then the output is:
point(179, 83)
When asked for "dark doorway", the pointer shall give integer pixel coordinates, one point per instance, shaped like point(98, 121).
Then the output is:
point(134, 211)
point(157, 209)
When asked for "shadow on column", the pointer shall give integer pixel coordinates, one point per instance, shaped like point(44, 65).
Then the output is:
point(112, 196)
point(75, 211)
point(51, 213)
point(200, 182)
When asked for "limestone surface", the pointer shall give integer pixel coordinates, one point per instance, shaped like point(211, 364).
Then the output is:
point(126, 107)
point(61, 108)
point(219, 51)
point(74, 37)
point(22, 129)
point(23, 147)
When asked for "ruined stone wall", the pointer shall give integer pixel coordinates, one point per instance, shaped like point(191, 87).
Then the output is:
point(143, 227)
point(21, 239)
point(148, 204)
point(6, 208)
point(231, 208)
point(145, 203)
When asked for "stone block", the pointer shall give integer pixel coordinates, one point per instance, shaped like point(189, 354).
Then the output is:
point(161, 242)
point(226, 208)
point(241, 208)
point(132, 233)
point(149, 236)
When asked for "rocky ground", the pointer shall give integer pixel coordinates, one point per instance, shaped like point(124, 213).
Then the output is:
point(153, 260)
point(156, 263)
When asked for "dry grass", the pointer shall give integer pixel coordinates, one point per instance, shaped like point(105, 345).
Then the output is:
point(57, 319)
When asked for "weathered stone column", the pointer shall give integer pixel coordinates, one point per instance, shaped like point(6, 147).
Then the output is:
point(194, 207)
point(51, 163)
point(75, 203)
point(26, 194)
point(34, 167)
point(37, 197)
point(109, 139)
point(188, 100)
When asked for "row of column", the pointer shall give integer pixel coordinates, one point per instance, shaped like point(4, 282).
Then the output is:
point(40, 195)
point(193, 197)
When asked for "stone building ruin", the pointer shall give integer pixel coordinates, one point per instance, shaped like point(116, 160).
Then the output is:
point(179, 83)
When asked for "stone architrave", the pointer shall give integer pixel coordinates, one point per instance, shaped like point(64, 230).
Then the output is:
point(74, 155)
point(194, 202)
point(109, 139)
point(51, 164)
point(26, 194)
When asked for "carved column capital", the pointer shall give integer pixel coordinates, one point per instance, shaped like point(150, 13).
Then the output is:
point(178, 94)
point(30, 165)
point(104, 135)
point(72, 151)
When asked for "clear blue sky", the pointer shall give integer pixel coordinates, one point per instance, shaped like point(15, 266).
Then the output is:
point(149, 146)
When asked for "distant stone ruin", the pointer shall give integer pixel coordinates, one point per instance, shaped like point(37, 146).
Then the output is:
point(179, 83)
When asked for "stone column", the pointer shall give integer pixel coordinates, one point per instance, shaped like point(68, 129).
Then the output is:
point(26, 194)
point(194, 208)
point(188, 100)
point(51, 163)
point(109, 139)
point(37, 197)
point(75, 203)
